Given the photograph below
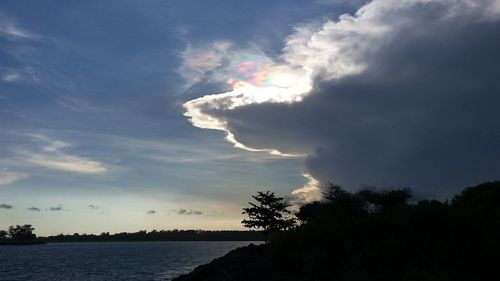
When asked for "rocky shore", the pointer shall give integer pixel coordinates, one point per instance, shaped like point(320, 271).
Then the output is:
point(247, 263)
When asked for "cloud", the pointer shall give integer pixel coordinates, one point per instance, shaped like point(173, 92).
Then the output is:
point(50, 155)
point(399, 93)
point(7, 176)
point(67, 163)
point(197, 63)
point(10, 29)
point(93, 207)
point(151, 212)
point(33, 209)
point(311, 191)
point(25, 73)
point(255, 79)
point(56, 208)
point(11, 76)
point(189, 212)
point(6, 206)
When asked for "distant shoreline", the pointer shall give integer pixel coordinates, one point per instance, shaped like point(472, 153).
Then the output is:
point(145, 236)
point(162, 235)
point(21, 243)
point(130, 241)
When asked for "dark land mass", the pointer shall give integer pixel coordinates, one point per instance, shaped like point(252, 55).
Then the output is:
point(162, 235)
point(376, 235)
point(21, 243)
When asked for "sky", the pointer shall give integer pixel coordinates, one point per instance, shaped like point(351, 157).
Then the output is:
point(127, 115)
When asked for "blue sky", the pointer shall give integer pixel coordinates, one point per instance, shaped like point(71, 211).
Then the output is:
point(111, 109)
point(91, 114)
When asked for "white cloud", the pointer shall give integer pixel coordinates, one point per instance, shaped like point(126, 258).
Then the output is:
point(9, 29)
point(50, 155)
point(63, 162)
point(11, 76)
point(7, 176)
point(311, 191)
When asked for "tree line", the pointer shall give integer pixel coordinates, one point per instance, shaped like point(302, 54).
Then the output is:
point(161, 235)
point(381, 234)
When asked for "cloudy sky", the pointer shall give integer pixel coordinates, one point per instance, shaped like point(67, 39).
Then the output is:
point(127, 115)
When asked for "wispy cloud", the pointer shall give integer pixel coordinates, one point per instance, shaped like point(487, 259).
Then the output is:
point(189, 212)
point(11, 76)
point(151, 212)
point(33, 209)
point(93, 207)
point(176, 151)
point(10, 29)
point(50, 155)
point(199, 62)
point(77, 104)
point(6, 206)
point(26, 73)
point(64, 162)
point(7, 177)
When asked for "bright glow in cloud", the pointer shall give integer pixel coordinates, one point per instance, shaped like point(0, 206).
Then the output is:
point(254, 79)
point(311, 191)
point(197, 62)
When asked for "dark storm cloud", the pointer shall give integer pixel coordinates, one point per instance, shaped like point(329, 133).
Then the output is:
point(423, 112)
point(189, 212)
point(33, 209)
point(6, 206)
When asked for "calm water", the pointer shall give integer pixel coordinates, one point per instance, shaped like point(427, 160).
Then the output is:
point(108, 261)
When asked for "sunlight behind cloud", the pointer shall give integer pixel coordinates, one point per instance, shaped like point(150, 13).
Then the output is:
point(254, 79)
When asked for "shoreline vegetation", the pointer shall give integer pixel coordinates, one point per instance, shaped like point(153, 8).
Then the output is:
point(139, 236)
point(375, 235)
point(161, 235)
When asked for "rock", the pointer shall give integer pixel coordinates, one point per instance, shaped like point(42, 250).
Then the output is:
point(247, 263)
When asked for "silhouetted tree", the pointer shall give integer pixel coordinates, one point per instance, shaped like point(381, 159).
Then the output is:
point(270, 213)
point(384, 198)
point(310, 212)
point(22, 232)
point(3, 234)
point(340, 202)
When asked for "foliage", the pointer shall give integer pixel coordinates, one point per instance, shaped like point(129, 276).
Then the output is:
point(380, 235)
point(3, 234)
point(270, 213)
point(159, 235)
point(22, 232)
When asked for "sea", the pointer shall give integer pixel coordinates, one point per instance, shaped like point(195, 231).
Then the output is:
point(109, 261)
